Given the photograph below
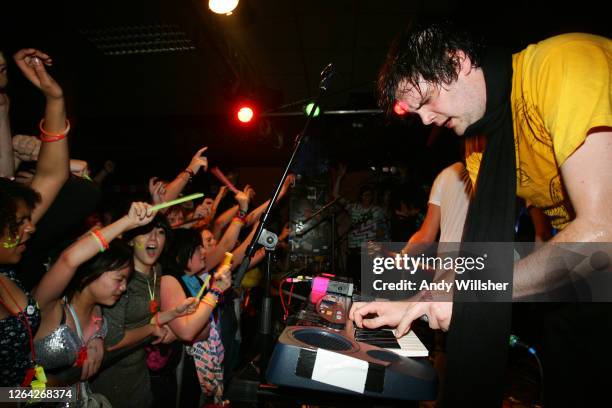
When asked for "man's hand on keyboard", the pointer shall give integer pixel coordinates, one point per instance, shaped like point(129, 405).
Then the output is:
point(376, 314)
point(401, 314)
point(438, 316)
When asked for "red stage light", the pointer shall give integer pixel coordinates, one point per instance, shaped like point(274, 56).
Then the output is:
point(397, 108)
point(245, 114)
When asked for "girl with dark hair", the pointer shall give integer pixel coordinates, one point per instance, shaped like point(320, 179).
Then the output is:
point(136, 317)
point(200, 331)
point(71, 323)
point(20, 209)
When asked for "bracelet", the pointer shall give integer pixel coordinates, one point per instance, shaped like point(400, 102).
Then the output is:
point(101, 239)
point(46, 139)
point(97, 236)
point(240, 220)
point(189, 172)
point(216, 292)
point(241, 214)
point(52, 137)
point(210, 302)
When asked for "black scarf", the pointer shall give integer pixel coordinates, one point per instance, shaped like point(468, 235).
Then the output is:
point(477, 341)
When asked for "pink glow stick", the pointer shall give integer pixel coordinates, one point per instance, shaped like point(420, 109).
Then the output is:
point(215, 170)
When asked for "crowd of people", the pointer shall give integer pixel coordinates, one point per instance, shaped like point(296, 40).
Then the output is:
point(142, 306)
point(148, 289)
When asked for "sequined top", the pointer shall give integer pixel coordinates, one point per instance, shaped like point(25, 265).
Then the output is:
point(60, 348)
point(15, 352)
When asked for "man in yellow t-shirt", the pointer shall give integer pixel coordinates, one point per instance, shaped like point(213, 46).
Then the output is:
point(559, 102)
point(560, 93)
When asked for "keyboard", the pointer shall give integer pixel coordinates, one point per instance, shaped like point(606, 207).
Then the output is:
point(407, 346)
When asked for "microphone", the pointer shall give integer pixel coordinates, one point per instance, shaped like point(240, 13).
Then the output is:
point(514, 341)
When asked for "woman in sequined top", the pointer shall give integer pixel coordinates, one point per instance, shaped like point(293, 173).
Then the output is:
point(20, 209)
point(72, 328)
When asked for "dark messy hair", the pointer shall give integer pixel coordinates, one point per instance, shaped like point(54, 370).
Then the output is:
point(182, 247)
point(160, 221)
point(11, 193)
point(427, 51)
point(117, 256)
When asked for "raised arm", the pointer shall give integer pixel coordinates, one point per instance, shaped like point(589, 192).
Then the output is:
point(339, 176)
point(52, 169)
point(220, 195)
point(222, 221)
point(7, 163)
point(174, 188)
point(105, 171)
point(187, 327)
point(55, 281)
point(254, 215)
point(228, 241)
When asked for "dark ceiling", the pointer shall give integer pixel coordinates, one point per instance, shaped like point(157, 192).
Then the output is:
point(148, 79)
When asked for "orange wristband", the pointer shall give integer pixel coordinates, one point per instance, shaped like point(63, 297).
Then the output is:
point(52, 136)
point(101, 240)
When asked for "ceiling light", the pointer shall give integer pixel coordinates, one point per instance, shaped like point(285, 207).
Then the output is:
point(222, 6)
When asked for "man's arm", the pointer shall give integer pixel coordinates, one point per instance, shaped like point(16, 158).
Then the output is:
point(587, 176)
point(429, 229)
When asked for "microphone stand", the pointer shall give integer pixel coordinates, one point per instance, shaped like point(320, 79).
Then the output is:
point(266, 309)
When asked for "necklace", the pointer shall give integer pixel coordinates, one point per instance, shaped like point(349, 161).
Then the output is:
point(153, 306)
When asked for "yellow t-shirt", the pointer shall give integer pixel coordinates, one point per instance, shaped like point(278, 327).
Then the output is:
point(561, 88)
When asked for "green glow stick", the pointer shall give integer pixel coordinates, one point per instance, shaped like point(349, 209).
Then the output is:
point(177, 201)
point(204, 285)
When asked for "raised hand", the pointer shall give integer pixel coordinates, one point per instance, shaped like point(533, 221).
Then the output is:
point(32, 63)
point(248, 190)
point(222, 192)
point(243, 198)
point(198, 161)
point(204, 209)
point(26, 148)
point(140, 214)
point(289, 182)
point(222, 278)
point(79, 168)
point(157, 189)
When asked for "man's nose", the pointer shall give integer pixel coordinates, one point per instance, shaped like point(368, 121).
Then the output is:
point(427, 117)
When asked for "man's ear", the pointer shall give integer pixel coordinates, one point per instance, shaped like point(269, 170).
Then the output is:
point(465, 63)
